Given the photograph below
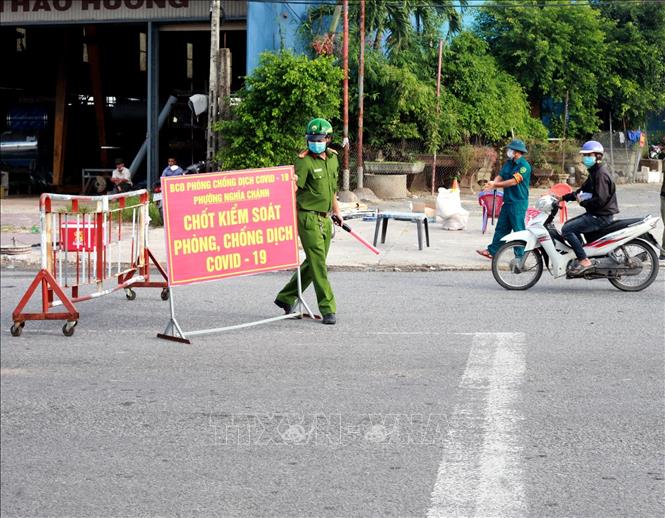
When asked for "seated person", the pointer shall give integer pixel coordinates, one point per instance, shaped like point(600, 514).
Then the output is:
point(172, 169)
point(121, 177)
point(598, 196)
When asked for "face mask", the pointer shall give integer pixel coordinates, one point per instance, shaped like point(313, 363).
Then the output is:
point(588, 161)
point(510, 154)
point(316, 147)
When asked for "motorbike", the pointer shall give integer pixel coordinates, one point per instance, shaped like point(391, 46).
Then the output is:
point(624, 252)
point(656, 152)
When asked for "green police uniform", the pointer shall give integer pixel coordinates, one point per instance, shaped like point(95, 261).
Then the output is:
point(515, 201)
point(317, 185)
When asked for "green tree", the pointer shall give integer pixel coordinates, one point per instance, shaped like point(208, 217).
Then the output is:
point(283, 93)
point(399, 107)
point(552, 50)
point(635, 34)
point(488, 101)
point(399, 24)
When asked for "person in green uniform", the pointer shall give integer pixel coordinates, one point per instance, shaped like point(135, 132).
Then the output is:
point(317, 170)
point(514, 178)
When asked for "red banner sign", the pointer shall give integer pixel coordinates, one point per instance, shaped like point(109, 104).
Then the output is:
point(228, 224)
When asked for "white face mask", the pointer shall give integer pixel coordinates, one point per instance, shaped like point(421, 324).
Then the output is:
point(510, 154)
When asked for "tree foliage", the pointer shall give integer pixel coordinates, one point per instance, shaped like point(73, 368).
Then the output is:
point(488, 101)
point(397, 26)
point(552, 51)
point(399, 107)
point(635, 35)
point(283, 93)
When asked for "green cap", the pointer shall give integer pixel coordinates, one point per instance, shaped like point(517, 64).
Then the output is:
point(319, 127)
point(517, 145)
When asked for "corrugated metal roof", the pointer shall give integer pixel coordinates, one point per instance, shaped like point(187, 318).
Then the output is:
point(56, 12)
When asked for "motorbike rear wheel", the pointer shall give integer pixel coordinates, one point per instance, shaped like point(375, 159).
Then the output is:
point(647, 255)
point(505, 266)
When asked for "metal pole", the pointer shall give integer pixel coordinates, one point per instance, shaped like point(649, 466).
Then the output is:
point(141, 153)
point(361, 81)
point(438, 95)
point(611, 146)
point(213, 91)
point(563, 142)
point(152, 163)
point(345, 52)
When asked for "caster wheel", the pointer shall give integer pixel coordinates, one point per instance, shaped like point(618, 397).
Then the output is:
point(165, 294)
point(130, 294)
point(17, 329)
point(68, 328)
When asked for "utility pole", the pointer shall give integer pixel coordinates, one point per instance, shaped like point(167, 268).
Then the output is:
point(361, 191)
point(612, 147)
point(345, 194)
point(213, 91)
point(438, 110)
point(361, 95)
point(563, 142)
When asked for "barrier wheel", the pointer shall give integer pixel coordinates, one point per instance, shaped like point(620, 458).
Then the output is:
point(68, 328)
point(165, 294)
point(17, 328)
point(130, 294)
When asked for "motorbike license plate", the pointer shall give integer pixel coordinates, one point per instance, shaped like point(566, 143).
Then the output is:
point(157, 196)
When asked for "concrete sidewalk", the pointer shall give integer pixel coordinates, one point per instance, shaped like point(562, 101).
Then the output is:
point(449, 250)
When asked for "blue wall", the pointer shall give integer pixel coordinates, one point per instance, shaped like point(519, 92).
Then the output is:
point(272, 26)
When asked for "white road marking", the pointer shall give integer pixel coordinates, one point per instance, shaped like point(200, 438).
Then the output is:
point(481, 472)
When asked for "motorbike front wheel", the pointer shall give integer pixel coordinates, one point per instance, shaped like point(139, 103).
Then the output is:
point(637, 249)
point(515, 269)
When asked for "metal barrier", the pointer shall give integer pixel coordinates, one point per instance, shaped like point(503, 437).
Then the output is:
point(85, 244)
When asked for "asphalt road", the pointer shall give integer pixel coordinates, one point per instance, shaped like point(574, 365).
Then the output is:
point(436, 394)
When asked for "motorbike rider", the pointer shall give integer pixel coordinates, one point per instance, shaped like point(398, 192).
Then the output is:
point(598, 197)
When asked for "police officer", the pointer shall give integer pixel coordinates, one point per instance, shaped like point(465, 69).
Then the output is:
point(317, 170)
point(514, 178)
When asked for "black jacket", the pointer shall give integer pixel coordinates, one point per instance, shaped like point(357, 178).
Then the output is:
point(604, 200)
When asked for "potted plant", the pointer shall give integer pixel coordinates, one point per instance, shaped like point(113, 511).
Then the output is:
point(541, 169)
point(391, 178)
point(474, 164)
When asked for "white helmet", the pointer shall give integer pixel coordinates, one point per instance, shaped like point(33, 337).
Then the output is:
point(592, 146)
point(546, 203)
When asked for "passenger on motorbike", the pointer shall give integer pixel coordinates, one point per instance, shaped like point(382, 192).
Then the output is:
point(598, 196)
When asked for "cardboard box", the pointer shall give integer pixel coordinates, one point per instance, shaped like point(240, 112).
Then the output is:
point(421, 205)
point(429, 208)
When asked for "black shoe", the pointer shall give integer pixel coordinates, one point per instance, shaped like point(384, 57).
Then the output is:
point(288, 308)
point(329, 319)
point(662, 257)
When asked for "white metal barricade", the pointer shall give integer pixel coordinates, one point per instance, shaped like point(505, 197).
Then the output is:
point(93, 246)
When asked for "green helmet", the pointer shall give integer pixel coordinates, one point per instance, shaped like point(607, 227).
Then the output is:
point(517, 145)
point(319, 127)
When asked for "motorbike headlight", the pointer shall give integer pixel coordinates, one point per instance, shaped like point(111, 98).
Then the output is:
point(546, 204)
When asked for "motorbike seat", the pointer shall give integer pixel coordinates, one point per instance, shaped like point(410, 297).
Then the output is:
point(590, 237)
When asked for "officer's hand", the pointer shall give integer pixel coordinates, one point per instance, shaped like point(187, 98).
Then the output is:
point(489, 186)
point(337, 219)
